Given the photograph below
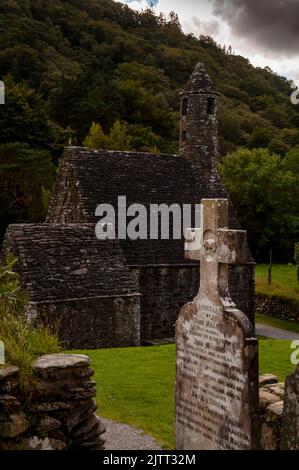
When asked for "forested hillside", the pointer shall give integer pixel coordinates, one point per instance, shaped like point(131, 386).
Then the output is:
point(69, 63)
point(97, 60)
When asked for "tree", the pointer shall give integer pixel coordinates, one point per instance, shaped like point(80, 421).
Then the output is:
point(263, 188)
point(278, 146)
point(24, 173)
point(143, 139)
point(260, 137)
point(296, 257)
point(119, 138)
point(123, 136)
point(24, 118)
point(96, 139)
point(290, 166)
point(229, 126)
point(174, 20)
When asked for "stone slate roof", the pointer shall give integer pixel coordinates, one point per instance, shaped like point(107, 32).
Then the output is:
point(58, 262)
point(200, 81)
point(101, 176)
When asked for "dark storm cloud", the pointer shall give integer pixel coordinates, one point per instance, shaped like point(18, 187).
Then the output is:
point(270, 26)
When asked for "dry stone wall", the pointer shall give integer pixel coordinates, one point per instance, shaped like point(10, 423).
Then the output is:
point(277, 307)
point(279, 408)
point(271, 395)
point(57, 412)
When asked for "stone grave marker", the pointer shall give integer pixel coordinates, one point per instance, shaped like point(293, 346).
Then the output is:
point(217, 354)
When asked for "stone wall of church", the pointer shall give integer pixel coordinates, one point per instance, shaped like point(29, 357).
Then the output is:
point(66, 205)
point(242, 288)
point(93, 323)
point(166, 289)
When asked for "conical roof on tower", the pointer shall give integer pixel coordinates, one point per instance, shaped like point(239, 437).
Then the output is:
point(200, 81)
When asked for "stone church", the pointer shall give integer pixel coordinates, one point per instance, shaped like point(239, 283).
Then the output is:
point(111, 293)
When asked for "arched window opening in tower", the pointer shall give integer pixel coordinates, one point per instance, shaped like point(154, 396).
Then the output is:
point(184, 106)
point(184, 136)
point(211, 106)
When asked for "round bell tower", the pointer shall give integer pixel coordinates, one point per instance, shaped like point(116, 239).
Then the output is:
point(199, 125)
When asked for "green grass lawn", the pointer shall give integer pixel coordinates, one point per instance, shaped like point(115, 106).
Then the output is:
point(274, 357)
point(284, 281)
point(136, 385)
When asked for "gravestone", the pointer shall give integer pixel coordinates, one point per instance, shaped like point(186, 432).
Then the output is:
point(217, 354)
point(290, 418)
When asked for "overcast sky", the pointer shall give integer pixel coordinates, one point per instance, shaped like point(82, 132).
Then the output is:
point(264, 31)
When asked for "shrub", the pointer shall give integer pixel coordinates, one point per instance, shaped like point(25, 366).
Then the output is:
point(23, 340)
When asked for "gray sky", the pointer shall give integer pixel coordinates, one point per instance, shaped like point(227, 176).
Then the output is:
point(264, 31)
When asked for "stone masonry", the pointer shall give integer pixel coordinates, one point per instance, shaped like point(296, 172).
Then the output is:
point(57, 411)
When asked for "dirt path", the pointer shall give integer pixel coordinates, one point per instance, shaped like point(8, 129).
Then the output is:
point(123, 437)
point(275, 333)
